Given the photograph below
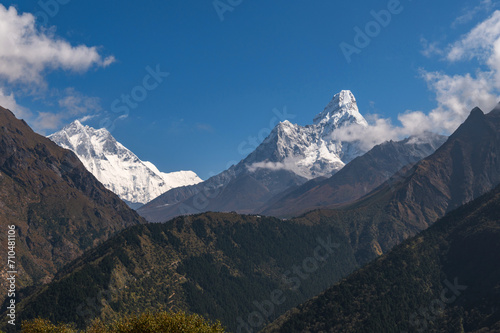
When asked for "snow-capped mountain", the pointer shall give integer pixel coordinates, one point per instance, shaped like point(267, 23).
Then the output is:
point(116, 167)
point(310, 151)
point(289, 156)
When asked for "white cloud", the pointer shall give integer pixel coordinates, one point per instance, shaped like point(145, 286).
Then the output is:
point(379, 130)
point(76, 104)
point(87, 118)
point(456, 95)
point(8, 101)
point(470, 13)
point(479, 43)
point(296, 164)
point(26, 51)
point(430, 49)
point(202, 127)
point(47, 121)
point(267, 165)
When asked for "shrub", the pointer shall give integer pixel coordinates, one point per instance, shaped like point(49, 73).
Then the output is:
point(148, 322)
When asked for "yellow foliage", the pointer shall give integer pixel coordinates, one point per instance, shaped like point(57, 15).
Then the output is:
point(164, 322)
point(45, 326)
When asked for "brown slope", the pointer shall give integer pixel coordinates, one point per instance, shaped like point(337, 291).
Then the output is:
point(464, 168)
point(58, 207)
point(356, 179)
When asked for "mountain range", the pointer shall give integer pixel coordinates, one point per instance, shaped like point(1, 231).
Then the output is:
point(230, 267)
point(116, 167)
point(289, 157)
point(84, 254)
point(278, 178)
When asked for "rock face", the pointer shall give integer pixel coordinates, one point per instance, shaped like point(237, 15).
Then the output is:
point(120, 170)
point(290, 156)
point(311, 151)
point(58, 207)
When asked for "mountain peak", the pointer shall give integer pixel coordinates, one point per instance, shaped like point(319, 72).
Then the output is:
point(477, 110)
point(75, 125)
point(342, 110)
point(119, 169)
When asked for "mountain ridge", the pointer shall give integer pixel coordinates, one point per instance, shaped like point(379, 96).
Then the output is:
point(465, 167)
point(214, 264)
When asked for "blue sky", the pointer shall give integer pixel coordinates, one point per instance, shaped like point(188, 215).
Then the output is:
point(231, 70)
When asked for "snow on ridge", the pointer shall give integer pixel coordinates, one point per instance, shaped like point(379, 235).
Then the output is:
point(116, 167)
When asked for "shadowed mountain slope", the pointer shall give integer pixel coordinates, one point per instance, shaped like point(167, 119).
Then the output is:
point(446, 279)
point(58, 208)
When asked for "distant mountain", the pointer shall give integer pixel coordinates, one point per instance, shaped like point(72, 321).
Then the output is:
point(290, 156)
point(120, 170)
point(360, 176)
point(446, 279)
point(58, 207)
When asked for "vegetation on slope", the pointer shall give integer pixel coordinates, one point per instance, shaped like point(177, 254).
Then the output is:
point(446, 279)
point(223, 266)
